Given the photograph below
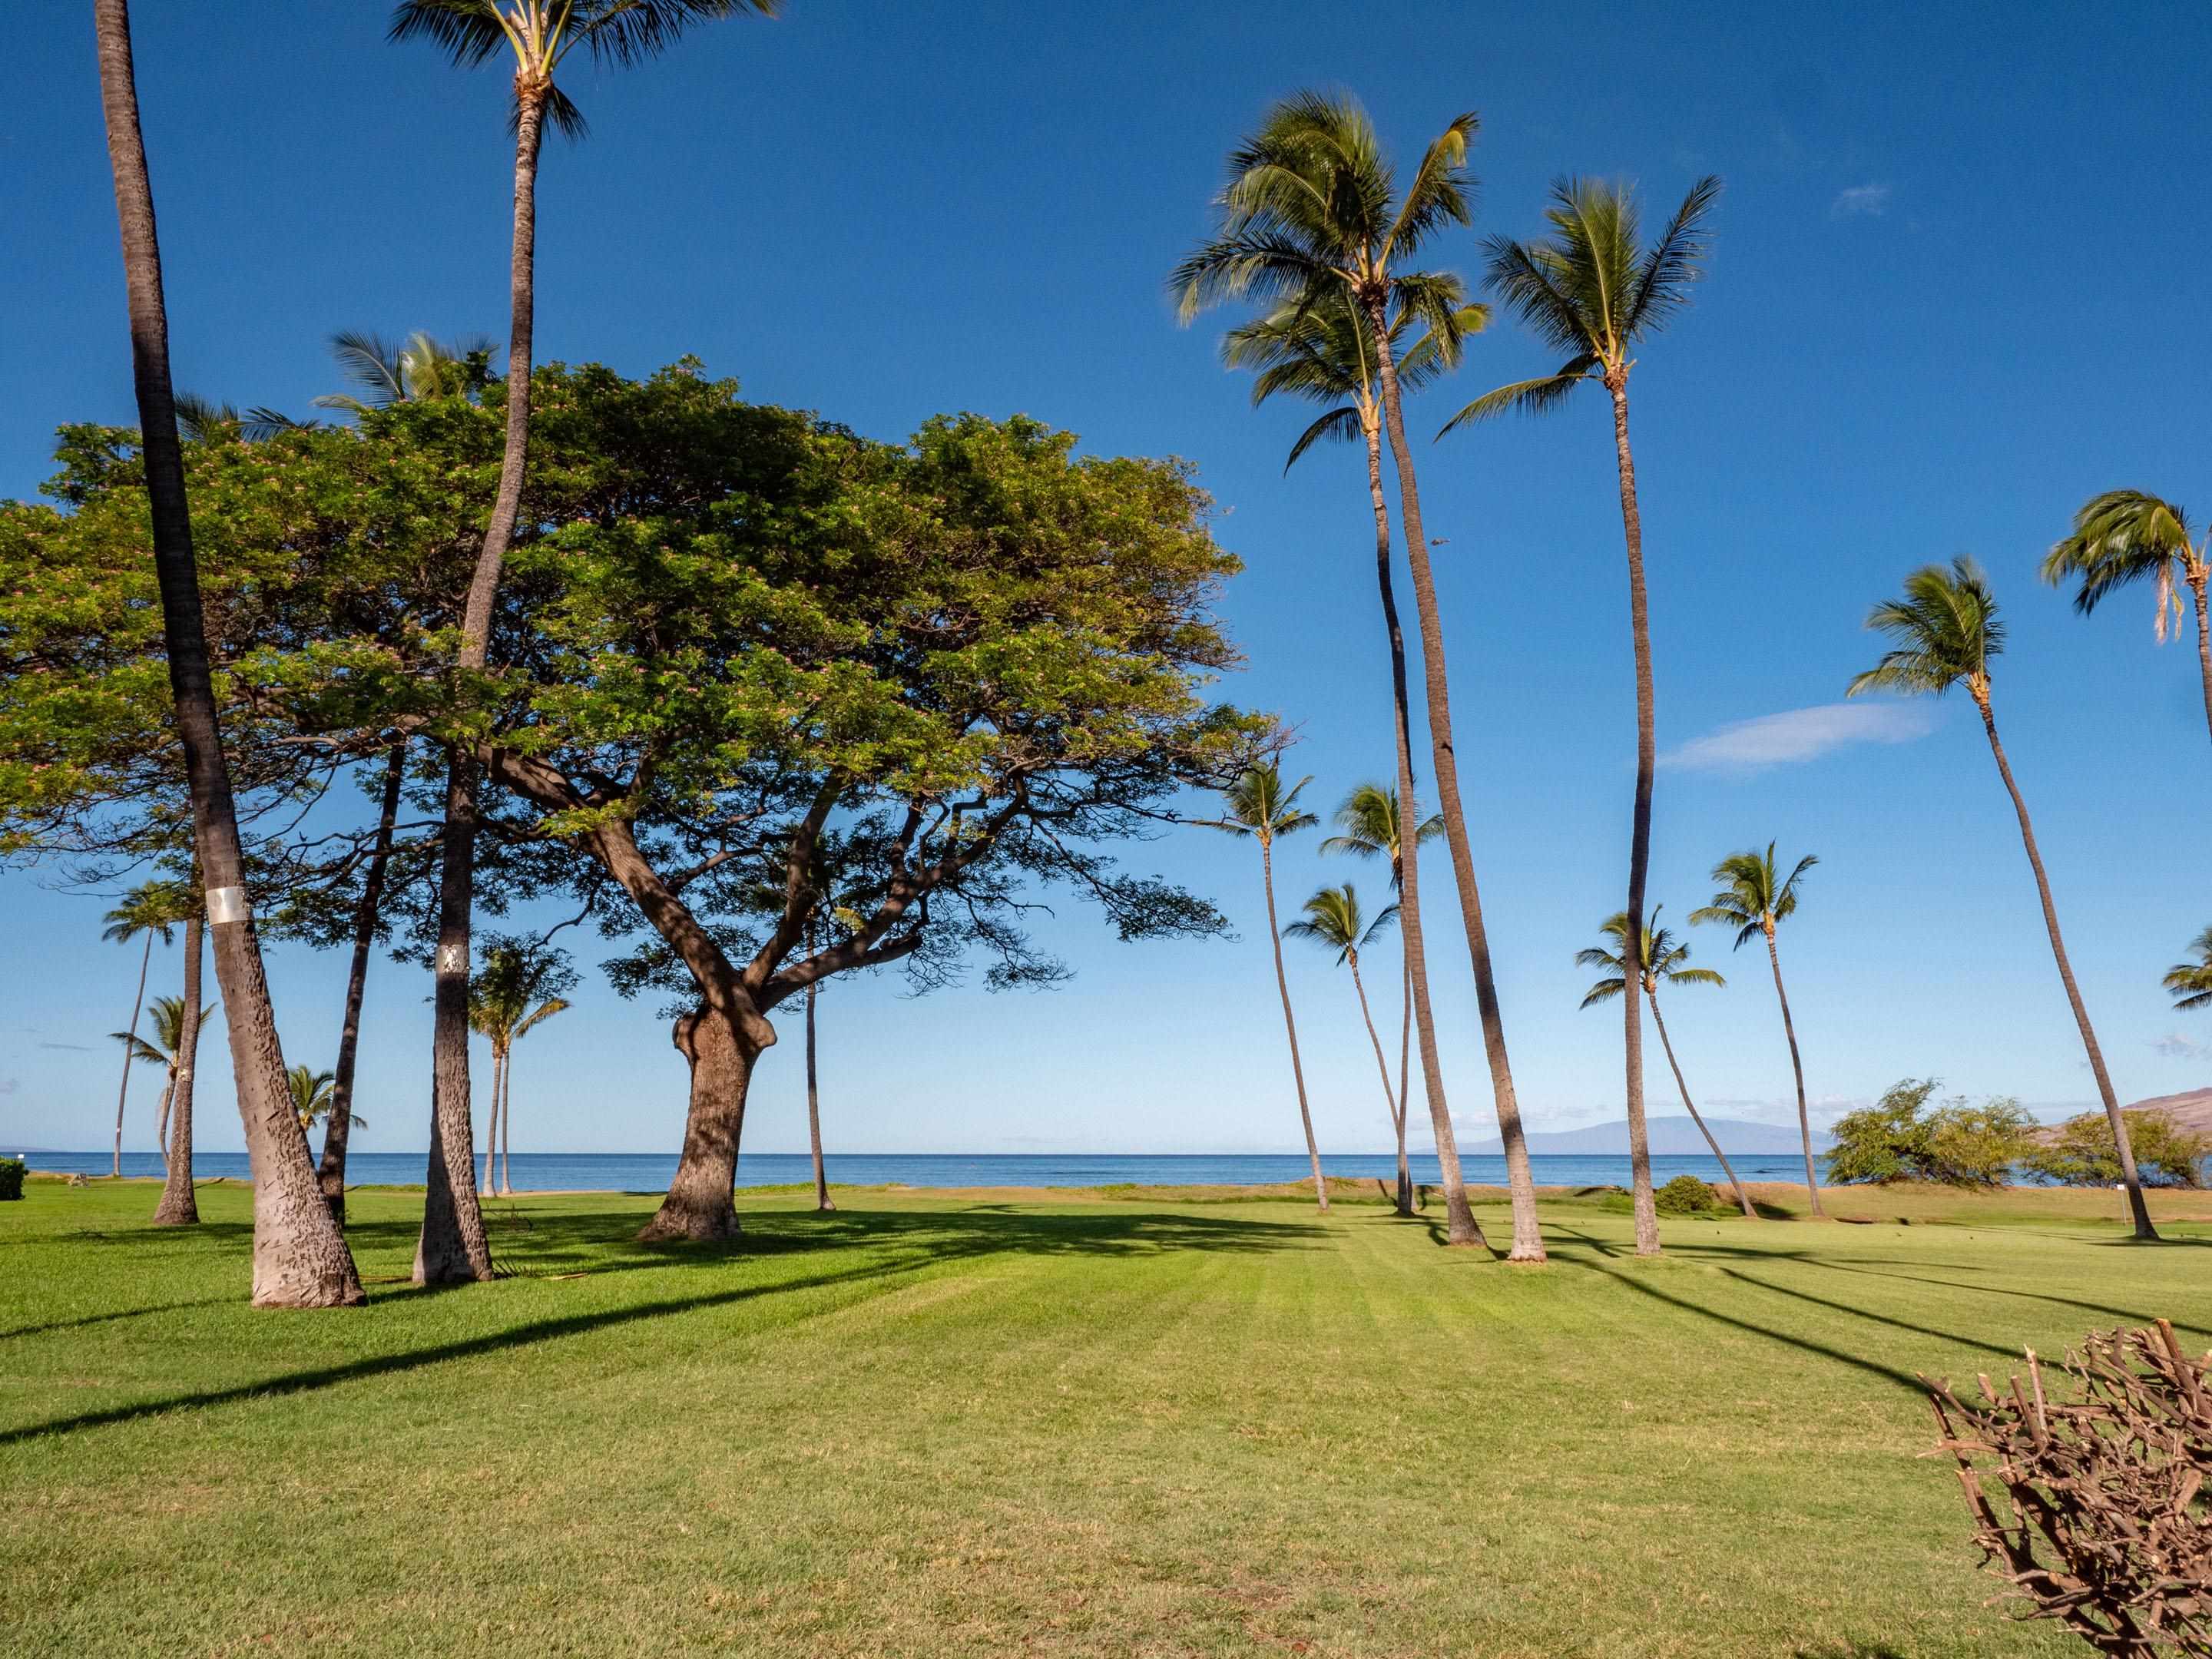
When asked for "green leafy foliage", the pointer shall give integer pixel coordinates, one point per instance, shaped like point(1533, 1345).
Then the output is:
point(2081, 1151)
point(1687, 1195)
point(1902, 1138)
point(11, 1179)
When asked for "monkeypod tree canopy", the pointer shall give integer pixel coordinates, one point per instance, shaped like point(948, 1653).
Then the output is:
point(731, 638)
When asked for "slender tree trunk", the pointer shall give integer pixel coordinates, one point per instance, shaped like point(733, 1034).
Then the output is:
point(1291, 1024)
point(1639, 844)
point(300, 1258)
point(1797, 1068)
point(180, 1206)
point(454, 1247)
point(814, 1098)
point(1528, 1235)
point(1674, 1066)
point(722, 1058)
point(161, 1116)
point(2196, 578)
point(1408, 884)
point(491, 1124)
point(337, 1128)
point(130, 1049)
point(1381, 1064)
point(506, 1124)
point(2136, 1207)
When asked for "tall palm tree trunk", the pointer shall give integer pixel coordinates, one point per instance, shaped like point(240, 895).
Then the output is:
point(2196, 580)
point(1528, 1235)
point(491, 1124)
point(814, 1099)
point(506, 1127)
point(1390, 1102)
point(130, 1049)
point(1418, 1009)
point(2136, 1207)
point(1291, 1024)
point(1674, 1066)
point(453, 1246)
point(300, 1258)
point(1797, 1068)
point(337, 1129)
point(161, 1116)
point(180, 1206)
point(1639, 843)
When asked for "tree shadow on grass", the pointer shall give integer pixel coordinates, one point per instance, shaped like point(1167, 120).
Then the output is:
point(915, 1243)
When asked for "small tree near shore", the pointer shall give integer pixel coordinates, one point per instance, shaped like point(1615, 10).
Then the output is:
point(2082, 1152)
point(1899, 1138)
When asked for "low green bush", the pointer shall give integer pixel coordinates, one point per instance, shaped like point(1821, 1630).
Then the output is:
point(1902, 1138)
point(1687, 1195)
point(2081, 1151)
point(11, 1178)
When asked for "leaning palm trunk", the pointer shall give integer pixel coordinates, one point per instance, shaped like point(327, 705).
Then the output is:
point(453, 1246)
point(1528, 1237)
point(130, 1048)
point(2136, 1207)
point(300, 1258)
point(1418, 1009)
point(506, 1127)
point(337, 1128)
point(1393, 1103)
point(2197, 581)
point(1797, 1068)
point(1639, 846)
point(814, 1098)
point(1674, 1066)
point(180, 1206)
point(1291, 1026)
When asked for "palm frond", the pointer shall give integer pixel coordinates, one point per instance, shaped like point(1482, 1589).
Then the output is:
point(1675, 261)
point(467, 31)
point(140, 1049)
point(1537, 397)
point(369, 361)
point(1437, 195)
point(1948, 629)
point(623, 32)
point(1338, 425)
point(1604, 991)
point(1534, 284)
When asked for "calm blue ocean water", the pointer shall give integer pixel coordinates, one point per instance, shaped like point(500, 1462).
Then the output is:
point(650, 1171)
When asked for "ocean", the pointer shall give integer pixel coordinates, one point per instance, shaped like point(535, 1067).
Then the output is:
point(649, 1172)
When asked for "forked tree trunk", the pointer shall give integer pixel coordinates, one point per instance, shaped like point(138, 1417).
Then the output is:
point(2196, 580)
point(722, 1057)
point(814, 1102)
point(180, 1206)
point(2136, 1207)
point(337, 1129)
point(300, 1258)
point(130, 1048)
point(1527, 1235)
point(1797, 1069)
point(1391, 1102)
point(1640, 842)
point(1674, 1066)
point(1291, 1024)
point(453, 1247)
point(1417, 1010)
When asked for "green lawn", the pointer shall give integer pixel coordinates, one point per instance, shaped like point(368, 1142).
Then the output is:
point(1054, 1426)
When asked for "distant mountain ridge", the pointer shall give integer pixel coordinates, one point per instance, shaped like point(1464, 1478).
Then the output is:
point(1671, 1137)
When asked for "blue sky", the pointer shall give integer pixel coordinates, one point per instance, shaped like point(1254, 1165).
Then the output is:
point(1956, 291)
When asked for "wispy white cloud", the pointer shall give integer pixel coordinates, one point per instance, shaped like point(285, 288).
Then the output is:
point(1798, 735)
point(2178, 1047)
point(1860, 201)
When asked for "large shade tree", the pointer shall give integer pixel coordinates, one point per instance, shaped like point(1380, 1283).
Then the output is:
point(1312, 214)
point(2124, 537)
point(1947, 633)
point(538, 38)
point(1592, 290)
point(300, 1258)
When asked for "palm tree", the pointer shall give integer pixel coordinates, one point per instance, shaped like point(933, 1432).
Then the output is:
point(166, 1050)
point(1333, 920)
point(422, 368)
point(500, 1011)
point(337, 1135)
point(1312, 211)
point(540, 35)
point(2127, 535)
point(1754, 898)
point(1591, 290)
point(300, 1259)
point(1368, 821)
point(311, 1093)
point(1949, 632)
point(1660, 961)
point(2190, 982)
point(1259, 808)
point(179, 1202)
point(152, 910)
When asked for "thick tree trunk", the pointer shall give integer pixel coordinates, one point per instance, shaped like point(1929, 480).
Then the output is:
point(1291, 1024)
point(1797, 1069)
point(1674, 1066)
point(814, 1104)
point(300, 1258)
point(180, 1206)
point(130, 1048)
point(1407, 880)
point(698, 1205)
point(454, 1247)
point(337, 1128)
point(2196, 580)
point(2136, 1207)
point(1528, 1235)
point(1640, 842)
point(1390, 1102)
